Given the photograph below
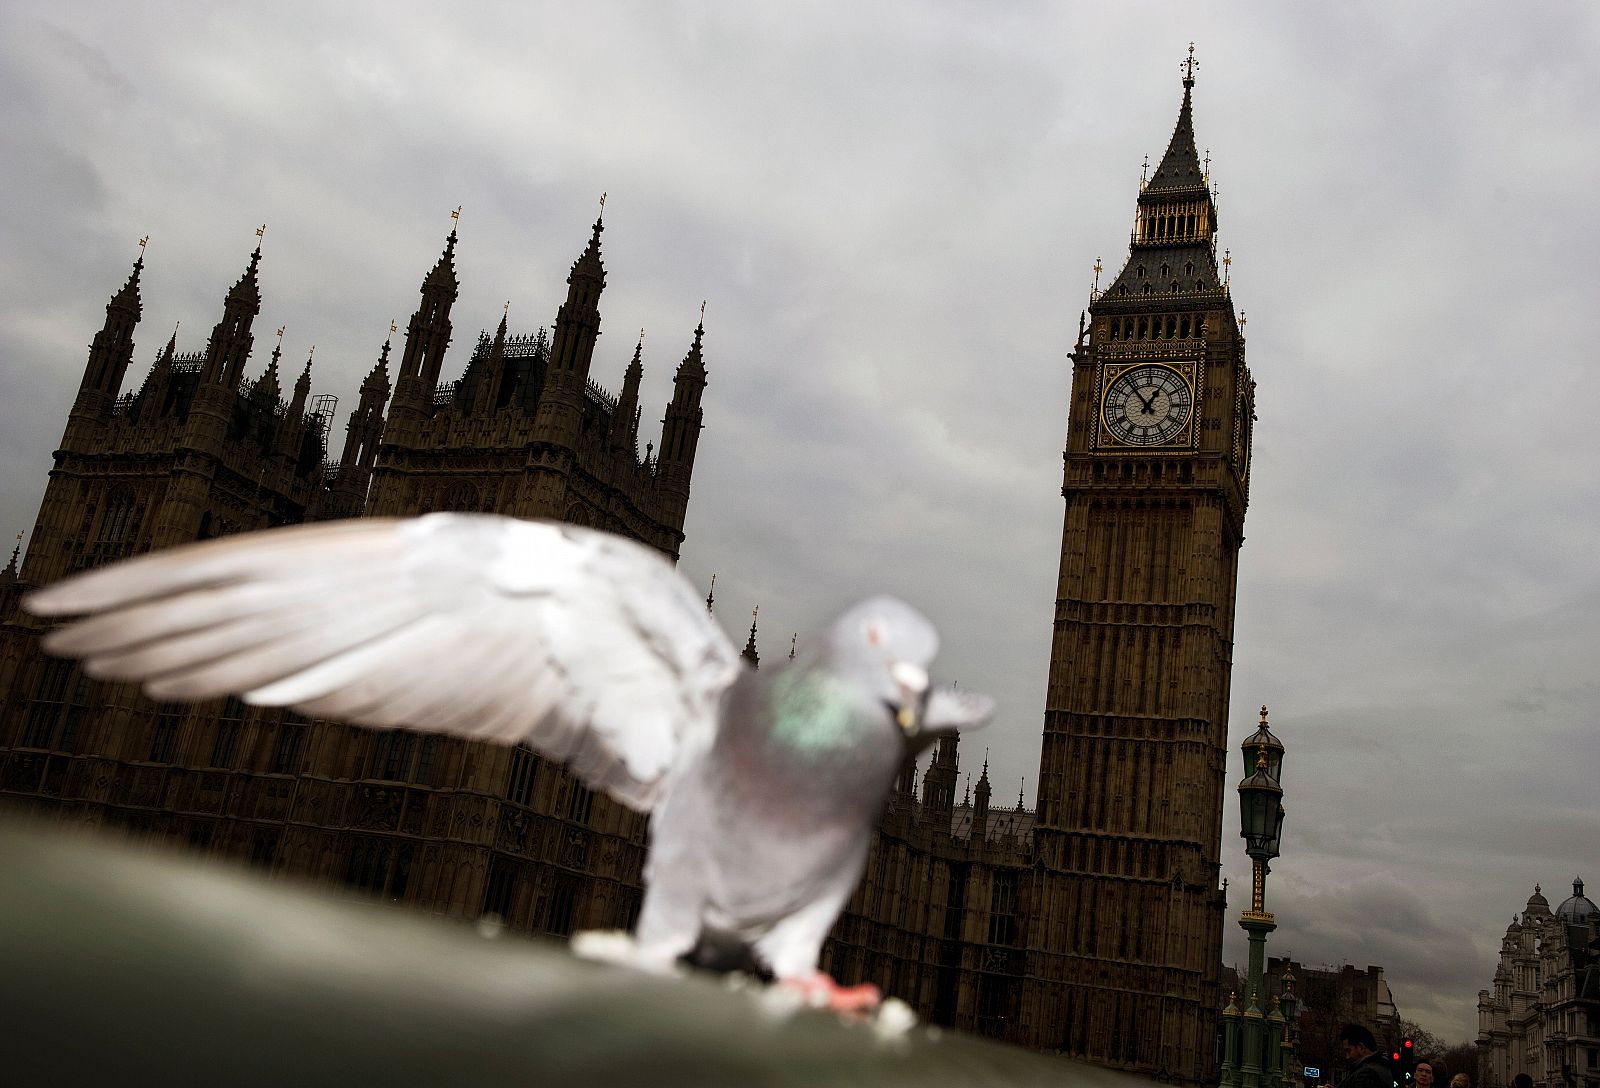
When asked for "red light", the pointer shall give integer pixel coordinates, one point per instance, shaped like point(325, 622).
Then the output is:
point(1408, 1044)
point(1397, 1055)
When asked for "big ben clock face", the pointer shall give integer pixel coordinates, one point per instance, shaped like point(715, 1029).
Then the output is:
point(1148, 404)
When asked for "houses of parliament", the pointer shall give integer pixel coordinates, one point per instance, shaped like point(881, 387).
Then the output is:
point(1090, 926)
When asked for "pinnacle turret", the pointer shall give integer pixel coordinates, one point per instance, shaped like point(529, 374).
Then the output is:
point(749, 653)
point(625, 420)
point(231, 340)
point(111, 352)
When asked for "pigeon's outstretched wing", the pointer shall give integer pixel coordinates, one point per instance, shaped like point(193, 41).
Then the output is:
point(588, 647)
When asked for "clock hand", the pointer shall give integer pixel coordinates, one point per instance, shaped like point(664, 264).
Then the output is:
point(1148, 404)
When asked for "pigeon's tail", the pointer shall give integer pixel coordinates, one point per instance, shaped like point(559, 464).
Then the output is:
point(725, 953)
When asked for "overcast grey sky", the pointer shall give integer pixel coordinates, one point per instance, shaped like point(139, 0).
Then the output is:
point(893, 210)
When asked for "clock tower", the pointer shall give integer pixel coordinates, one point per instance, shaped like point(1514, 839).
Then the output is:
point(1132, 768)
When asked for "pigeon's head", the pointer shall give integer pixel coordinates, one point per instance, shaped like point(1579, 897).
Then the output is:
point(887, 645)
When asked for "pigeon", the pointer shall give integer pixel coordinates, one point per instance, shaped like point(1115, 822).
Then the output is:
point(762, 786)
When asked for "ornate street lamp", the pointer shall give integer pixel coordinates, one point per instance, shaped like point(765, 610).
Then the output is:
point(1260, 1054)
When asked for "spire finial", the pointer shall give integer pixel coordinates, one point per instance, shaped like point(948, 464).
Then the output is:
point(1094, 288)
point(1227, 268)
point(702, 313)
point(1208, 164)
point(794, 638)
point(641, 340)
point(393, 328)
point(1188, 67)
point(603, 206)
point(1019, 792)
point(1243, 320)
point(506, 312)
point(711, 594)
point(261, 232)
point(280, 334)
point(455, 217)
point(1144, 174)
point(142, 243)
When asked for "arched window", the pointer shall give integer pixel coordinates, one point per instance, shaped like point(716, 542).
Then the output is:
point(117, 523)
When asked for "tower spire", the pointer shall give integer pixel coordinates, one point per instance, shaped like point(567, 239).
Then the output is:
point(1172, 254)
point(111, 352)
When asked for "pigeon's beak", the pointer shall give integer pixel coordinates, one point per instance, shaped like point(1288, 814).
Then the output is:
point(913, 683)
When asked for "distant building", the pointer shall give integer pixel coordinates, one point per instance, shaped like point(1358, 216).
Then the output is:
point(199, 450)
point(1328, 998)
point(1542, 1015)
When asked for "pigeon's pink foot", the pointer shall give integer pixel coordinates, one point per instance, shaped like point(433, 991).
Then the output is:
point(820, 991)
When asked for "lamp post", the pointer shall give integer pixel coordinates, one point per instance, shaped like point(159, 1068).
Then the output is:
point(1259, 1062)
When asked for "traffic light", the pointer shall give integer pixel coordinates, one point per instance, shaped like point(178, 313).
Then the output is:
point(1394, 1068)
point(1408, 1062)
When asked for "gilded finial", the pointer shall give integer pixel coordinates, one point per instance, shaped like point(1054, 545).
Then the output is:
point(507, 311)
point(1189, 66)
point(393, 328)
point(280, 334)
point(311, 353)
point(1261, 758)
point(702, 311)
point(1242, 319)
point(455, 216)
point(602, 203)
point(1094, 289)
point(142, 243)
point(1263, 715)
point(1144, 174)
point(261, 231)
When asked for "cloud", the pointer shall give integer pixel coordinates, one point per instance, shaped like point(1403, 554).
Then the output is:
point(893, 211)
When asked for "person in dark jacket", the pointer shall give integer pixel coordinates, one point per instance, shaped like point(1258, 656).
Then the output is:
point(1368, 1069)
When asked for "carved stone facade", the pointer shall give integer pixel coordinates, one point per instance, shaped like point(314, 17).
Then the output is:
point(1542, 1016)
point(449, 826)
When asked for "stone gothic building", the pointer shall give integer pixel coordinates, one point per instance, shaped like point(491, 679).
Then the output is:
point(1091, 927)
point(200, 450)
point(1542, 1015)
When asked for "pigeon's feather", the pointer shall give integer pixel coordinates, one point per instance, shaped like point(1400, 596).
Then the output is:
point(587, 647)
